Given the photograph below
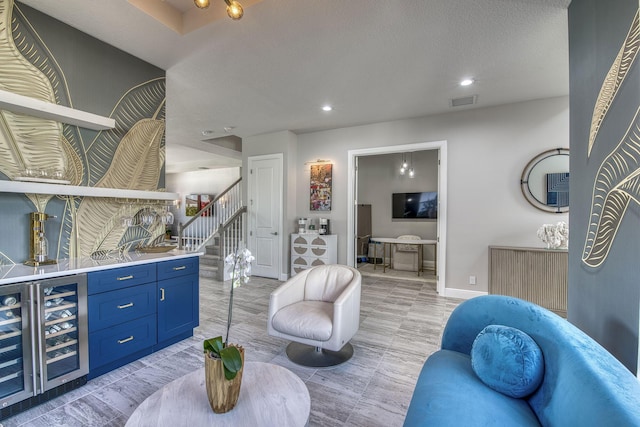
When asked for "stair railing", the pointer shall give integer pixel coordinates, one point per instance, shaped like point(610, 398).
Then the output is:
point(230, 237)
point(195, 233)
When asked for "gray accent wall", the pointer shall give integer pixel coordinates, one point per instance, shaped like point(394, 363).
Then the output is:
point(603, 300)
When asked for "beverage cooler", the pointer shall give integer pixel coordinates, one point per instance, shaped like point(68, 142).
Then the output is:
point(43, 340)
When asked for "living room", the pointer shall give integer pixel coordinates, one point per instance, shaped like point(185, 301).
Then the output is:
point(486, 149)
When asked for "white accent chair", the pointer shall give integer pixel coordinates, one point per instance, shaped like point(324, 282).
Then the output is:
point(405, 256)
point(319, 311)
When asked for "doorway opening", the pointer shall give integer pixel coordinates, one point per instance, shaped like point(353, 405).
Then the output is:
point(383, 225)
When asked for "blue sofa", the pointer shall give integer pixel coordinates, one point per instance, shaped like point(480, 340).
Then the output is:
point(582, 384)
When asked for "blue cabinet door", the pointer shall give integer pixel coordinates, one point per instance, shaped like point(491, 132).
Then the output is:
point(178, 301)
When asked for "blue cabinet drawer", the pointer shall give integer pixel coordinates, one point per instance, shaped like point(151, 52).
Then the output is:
point(178, 267)
point(111, 308)
point(108, 345)
point(118, 278)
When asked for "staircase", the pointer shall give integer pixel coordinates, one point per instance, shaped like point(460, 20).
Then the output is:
point(217, 229)
point(209, 265)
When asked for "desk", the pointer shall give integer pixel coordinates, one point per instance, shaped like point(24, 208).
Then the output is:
point(394, 241)
point(270, 395)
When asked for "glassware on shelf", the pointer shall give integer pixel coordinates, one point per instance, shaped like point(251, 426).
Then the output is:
point(167, 216)
point(127, 218)
point(148, 216)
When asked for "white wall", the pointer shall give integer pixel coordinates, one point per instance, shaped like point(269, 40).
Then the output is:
point(210, 181)
point(487, 150)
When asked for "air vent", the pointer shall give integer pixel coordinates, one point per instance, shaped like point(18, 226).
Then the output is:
point(467, 100)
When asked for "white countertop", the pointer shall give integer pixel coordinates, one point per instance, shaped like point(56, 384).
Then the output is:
point(15, 273)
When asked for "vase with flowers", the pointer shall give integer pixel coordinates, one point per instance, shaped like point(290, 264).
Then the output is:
point(223, 361)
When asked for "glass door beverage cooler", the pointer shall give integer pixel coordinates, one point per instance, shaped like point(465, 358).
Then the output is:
point(43, 340)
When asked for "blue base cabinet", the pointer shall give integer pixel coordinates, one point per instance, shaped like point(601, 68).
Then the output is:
point(134, 311)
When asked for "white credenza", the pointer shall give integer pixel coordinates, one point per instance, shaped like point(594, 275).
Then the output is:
point(309, 250)
point(533, 274)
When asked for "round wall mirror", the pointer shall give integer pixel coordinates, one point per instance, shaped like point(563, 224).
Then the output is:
point(545, 181)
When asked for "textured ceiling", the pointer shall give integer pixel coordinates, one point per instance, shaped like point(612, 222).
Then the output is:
point(373, 60)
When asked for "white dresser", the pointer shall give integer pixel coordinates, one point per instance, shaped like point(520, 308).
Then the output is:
point(309, 250)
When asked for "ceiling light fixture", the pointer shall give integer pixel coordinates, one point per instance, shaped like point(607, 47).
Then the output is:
point(403, 165)
point(411, 171)
point(202, 4)
point(327, 108)
point(466, 82)
point(234, 8)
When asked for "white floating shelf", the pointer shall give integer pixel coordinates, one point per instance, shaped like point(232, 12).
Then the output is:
point(75, 190)
point(47, 110)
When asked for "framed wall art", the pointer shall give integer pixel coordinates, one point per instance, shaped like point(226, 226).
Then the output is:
point(320, 187)
point(193, 203)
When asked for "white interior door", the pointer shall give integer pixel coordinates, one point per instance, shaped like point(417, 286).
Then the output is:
point(265, 214)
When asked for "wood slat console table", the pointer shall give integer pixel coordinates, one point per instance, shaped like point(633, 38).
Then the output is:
point(534, 274)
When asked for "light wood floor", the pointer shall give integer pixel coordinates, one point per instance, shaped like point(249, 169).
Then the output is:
point(401, 324)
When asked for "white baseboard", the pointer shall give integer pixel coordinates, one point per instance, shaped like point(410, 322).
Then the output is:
point(462, 293)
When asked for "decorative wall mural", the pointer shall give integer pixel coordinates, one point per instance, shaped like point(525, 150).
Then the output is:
point(614, 79)
point(130, 156)
point(617, 182)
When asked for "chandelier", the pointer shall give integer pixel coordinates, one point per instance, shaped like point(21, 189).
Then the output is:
point(234, 8)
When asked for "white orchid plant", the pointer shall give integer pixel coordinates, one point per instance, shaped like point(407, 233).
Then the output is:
point(240, 264)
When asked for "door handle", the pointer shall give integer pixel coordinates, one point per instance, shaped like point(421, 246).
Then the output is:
point(125, 305)
point(161, 294)
point(125, 277)
point(275, 233)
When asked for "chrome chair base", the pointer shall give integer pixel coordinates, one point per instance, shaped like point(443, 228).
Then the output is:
point(316, 357)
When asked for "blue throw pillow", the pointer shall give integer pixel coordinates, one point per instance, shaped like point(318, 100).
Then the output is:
point(507, 360)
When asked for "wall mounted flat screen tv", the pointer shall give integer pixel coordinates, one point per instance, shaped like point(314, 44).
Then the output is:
point(415, 205)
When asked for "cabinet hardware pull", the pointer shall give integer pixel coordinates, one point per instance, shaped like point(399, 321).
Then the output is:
point(125, 277)
point(125, 340)
point(125, 305)
point(161, 294)
point(179, 268)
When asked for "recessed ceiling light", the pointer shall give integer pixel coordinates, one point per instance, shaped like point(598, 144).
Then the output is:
point(466, 82)
point(327, 108)
point(229, 129)
point(207, 132)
